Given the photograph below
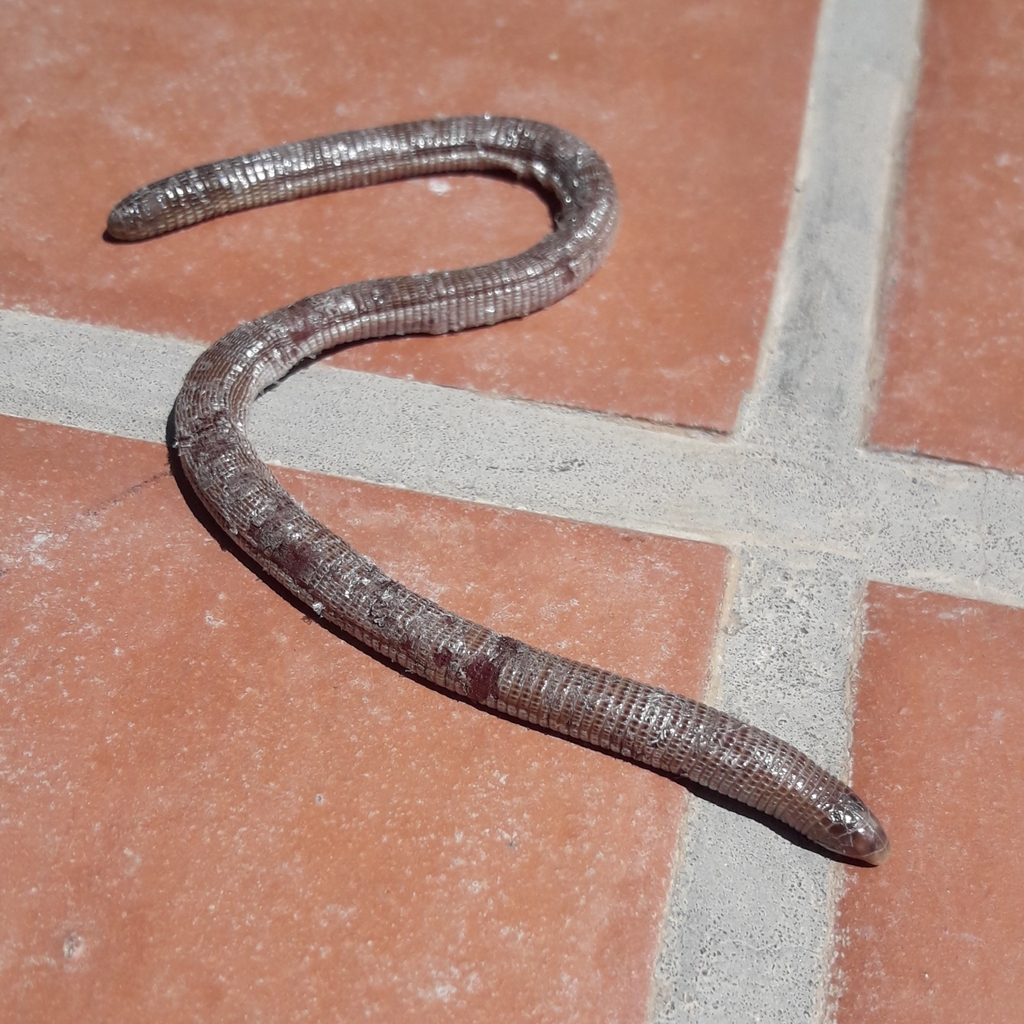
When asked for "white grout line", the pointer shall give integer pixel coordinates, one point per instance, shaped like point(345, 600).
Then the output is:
point(907, 521)
point(808, 514)
point(749, 930)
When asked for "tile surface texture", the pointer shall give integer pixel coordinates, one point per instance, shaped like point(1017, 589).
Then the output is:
point(937, 936)
point(703, 145)
point(954, 364)
point(221, 805)
point(212, 807)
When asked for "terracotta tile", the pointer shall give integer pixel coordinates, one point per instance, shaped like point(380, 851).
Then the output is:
point(214, 808)
point(698, 107)
point(954, 364)
point(935, 935)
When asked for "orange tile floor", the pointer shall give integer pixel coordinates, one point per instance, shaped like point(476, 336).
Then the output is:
point(212, 807)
